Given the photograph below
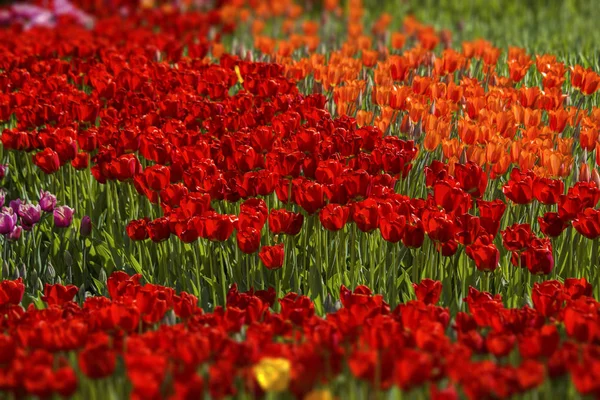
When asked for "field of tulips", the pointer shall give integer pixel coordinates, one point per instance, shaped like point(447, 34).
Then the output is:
point(279, 199)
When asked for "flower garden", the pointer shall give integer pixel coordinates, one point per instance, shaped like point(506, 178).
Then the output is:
point(278, 199)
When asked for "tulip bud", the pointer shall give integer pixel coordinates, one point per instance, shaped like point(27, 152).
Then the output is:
point(596, 177)
point(584, 173)
point(3, 170)
point(85, 228)
point(63, 216)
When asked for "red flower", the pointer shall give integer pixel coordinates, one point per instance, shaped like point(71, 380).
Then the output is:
point(333, 217)
point(575, 288)
point(519, 188)
point(428, 291)
point(272, 256)
point(59, 294)
point(392, 227)
point(47, 160)
point(516, 237)
point(248, 240)
point(65, 381)
point(414, 233)
point(159, 230)
point(439, 226)
point(588, 223)
point(185, 305)
point(81, 161)
point(484, 253)
point(490, 215)
point(547, 191)
point(472, 178)
point(500, 344)
point(366, 215)
point(547, 297)
point(137, 229)
point(97, 360)
point(534, 343)
point(11, 292)
point(296, 308)
point(552, 225)
point(538, 256)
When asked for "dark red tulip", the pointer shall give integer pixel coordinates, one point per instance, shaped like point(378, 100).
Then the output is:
point(552, 225)
point(137, 229)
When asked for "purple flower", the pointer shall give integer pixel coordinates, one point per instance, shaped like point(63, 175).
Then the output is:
point(8, 220)
point(14, 204)
point(30, 215)
point(3, 169)
point(16, 233)
point(63, 216)
point(47, 201)
point(86, 226)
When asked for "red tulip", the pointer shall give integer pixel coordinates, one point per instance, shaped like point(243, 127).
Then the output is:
point(137, 229)
point(333, 217)
point(248, 240)
point(484, 253)
point(588, 223)
point(490, 215)
point(519, 188)
point(47, 160)
point(428, 291)
point(59, 294)
point(472, 178)
point(272, 256)
point(552, 225)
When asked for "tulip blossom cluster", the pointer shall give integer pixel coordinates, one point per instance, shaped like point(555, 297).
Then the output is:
point(20, 215)
point(170, 348)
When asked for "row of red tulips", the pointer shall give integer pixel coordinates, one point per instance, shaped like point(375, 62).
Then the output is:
point(169, 347)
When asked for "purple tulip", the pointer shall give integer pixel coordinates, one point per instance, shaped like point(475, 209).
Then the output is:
point(63, 216)
point(16, 233)
point(14, 204)
point(86, 226)
point(47, 201)
point(8, 220)
point(3, 169)
point(30, 215)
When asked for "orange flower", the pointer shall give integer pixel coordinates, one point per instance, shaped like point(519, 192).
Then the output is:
point(369, 57)
point(398, 40)
point(364, 118)
point(585, 80)
point(258, 25)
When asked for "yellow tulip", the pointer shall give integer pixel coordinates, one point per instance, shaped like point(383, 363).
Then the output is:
point(273, 374)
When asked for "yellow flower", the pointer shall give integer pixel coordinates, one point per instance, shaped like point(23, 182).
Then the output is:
point(319, 394)
point(238, 73)
point(273, 374)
